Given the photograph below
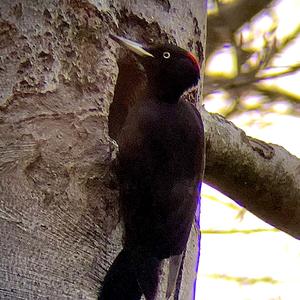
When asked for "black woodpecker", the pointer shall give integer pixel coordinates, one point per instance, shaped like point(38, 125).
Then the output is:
point(160, 170)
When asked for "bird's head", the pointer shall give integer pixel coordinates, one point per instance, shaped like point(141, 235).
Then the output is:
point(171, 70)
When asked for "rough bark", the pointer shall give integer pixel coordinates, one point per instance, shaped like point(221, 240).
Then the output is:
point(263, 178)
point(59, 222)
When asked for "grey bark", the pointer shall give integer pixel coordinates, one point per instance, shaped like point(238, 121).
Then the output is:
point(59, 222)
point(263, 178)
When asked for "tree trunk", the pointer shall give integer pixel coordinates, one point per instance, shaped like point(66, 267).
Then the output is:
point(59, 222)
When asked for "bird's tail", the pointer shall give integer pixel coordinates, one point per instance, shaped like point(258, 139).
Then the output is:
point(132, 274)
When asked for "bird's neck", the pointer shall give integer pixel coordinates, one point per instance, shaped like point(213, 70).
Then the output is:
point(165, 93)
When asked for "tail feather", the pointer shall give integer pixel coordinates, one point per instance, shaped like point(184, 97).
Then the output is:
point(147, 274)
point(132, 274)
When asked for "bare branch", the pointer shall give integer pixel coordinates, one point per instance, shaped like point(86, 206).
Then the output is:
point(263, 178)
point(245, 280)
point(245, 79)
point(230, 18)
point(244, 231)
point(277, 94)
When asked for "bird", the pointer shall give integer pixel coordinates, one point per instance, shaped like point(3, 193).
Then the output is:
point(160, 171)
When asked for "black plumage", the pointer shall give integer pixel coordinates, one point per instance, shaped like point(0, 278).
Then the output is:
point(160, 169)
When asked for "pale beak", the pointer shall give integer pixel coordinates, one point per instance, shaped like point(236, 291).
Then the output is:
point(133, 46)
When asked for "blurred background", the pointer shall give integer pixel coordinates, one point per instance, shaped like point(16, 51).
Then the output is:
point(253, 79)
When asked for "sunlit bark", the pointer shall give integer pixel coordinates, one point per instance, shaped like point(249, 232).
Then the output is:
point(263, 178)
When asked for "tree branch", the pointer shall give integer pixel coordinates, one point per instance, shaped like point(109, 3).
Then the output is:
point(245, 280)
point(231, 17)
point(277, 93)
point(244, 231)
point(263, 178)
point(245, 80)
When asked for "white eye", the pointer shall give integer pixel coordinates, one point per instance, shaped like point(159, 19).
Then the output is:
point(166, 55)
